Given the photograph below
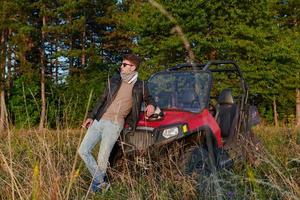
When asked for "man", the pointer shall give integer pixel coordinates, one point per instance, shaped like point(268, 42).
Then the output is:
point(121, 100)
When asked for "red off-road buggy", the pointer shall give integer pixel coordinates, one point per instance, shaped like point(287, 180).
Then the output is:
point(204, 107)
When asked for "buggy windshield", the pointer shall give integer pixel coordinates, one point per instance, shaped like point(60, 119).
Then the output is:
point(187, 91)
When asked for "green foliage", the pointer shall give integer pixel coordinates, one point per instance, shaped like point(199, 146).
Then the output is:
point(252, 33)
point(74, 32)
point(83, 39)
point(24, 104)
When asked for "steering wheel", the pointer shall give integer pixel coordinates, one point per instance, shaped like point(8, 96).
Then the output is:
point(195, 104)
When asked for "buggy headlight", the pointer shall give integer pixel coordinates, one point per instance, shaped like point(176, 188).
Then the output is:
point(170, 132)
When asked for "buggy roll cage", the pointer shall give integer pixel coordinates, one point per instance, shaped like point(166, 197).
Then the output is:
point(206, 67)
point(234, 69)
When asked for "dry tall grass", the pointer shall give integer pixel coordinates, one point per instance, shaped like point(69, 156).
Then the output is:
point(43, 165)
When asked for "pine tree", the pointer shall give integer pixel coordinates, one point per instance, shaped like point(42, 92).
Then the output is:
point(7, 24)
point(288, 18)
point(247, 32)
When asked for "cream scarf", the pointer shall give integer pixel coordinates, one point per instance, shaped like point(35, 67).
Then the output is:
point(130, 78)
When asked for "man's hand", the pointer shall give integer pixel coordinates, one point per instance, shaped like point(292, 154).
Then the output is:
point(149, 110)
point(88, 122)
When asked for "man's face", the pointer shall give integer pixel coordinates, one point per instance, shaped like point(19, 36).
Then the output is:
point(127, 67)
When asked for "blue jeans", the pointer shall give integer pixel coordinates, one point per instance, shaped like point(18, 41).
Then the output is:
point(107, 132)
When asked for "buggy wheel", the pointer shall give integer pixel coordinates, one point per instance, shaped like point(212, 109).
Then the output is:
point(195, 161)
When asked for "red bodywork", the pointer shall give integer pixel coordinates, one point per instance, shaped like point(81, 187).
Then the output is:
point(194, 121)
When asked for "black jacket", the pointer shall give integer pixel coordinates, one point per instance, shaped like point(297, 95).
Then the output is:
point(139, 93)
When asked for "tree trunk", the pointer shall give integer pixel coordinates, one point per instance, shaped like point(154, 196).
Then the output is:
point(9, 82)
point(213, 54)
point(83, 55)
point(4, 120)
point(56, 70)
point(43, 69)
point(275, 112)
point(71, 60)
point(298, 107)
point(9, 66)
point(3, 113)
point(56, 64)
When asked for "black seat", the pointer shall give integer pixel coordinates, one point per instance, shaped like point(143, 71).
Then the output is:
point(189, 99)
point(227, 114)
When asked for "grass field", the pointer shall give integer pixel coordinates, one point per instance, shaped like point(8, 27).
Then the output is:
point(44, 165)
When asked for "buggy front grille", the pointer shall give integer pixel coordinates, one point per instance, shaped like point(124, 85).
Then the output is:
point(138, 140)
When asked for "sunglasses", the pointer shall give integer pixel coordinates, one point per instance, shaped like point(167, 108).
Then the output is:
point(126, 64)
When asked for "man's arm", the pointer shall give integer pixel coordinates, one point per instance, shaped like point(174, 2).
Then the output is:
point(92, 114)
point(101, 100)
point(151, 105)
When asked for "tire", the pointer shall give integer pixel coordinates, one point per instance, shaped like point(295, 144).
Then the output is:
point(223, 160)
point(198, 165)
point(195, 161)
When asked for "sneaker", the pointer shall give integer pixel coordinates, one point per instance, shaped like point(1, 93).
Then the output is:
point(94, 186)
point(100, 187)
